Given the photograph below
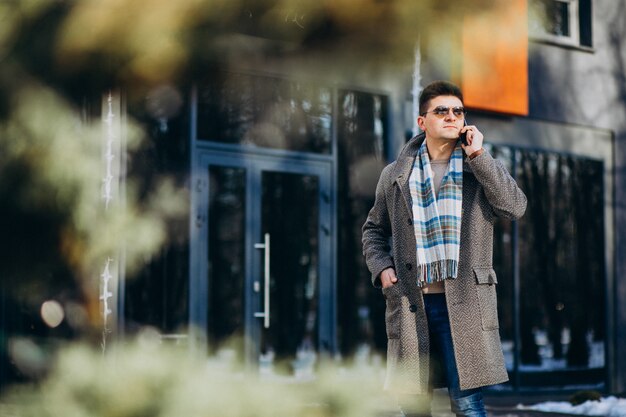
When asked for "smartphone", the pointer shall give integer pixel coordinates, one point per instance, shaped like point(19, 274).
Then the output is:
point(463, 136)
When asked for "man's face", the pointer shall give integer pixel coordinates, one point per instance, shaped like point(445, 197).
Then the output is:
point(446, 126)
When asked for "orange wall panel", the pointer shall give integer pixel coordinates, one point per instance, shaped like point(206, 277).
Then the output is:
point(494, 73)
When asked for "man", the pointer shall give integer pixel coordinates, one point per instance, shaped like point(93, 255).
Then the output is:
point(428, 243)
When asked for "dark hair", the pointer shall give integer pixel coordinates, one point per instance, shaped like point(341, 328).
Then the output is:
point(436, 89)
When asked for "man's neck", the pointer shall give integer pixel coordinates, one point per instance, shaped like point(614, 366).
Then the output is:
point(439, 149)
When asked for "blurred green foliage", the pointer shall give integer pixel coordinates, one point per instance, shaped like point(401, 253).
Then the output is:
point(57, 229)
point(148, 379)
point(93, 44)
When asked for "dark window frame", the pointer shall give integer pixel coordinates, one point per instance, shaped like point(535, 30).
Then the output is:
point(579, 25)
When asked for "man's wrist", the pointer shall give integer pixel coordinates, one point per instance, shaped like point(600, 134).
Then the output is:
point(476, 153)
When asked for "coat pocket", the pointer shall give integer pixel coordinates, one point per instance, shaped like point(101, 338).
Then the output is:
point(393, 301)
point(486, 281)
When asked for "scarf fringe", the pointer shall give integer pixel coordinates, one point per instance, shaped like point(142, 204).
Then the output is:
point(437, 271)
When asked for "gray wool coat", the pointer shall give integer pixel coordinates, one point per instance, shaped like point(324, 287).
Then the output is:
point(389, 241)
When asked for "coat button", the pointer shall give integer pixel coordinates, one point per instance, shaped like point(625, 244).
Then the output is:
point(410, 222)
point(409, 266)
point(412, 308)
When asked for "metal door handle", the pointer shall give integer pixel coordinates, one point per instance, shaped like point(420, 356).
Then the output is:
point(266, 285)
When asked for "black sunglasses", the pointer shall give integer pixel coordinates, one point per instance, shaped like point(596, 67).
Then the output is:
point(443, 111)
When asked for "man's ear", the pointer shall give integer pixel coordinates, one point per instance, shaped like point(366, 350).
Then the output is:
point(420, 122)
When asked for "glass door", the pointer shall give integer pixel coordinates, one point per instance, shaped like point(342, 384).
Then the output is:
point(262, 290)
point(290, 224)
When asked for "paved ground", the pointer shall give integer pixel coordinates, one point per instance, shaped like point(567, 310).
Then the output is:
point(505, 405)
point(498, 405)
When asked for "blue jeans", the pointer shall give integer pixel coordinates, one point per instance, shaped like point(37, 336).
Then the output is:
point(467, 402)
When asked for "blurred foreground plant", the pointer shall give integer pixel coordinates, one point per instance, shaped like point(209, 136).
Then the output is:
point(51, 201)
point(148, 379)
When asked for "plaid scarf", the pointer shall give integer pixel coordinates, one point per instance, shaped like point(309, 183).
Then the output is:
point(437, 218)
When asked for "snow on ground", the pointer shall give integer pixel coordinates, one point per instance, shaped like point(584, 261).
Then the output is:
point(609, 406)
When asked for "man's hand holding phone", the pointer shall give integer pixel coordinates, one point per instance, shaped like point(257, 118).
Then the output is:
point(473, 139)
point(388, 277)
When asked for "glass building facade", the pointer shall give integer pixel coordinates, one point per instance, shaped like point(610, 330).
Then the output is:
point(299, 162)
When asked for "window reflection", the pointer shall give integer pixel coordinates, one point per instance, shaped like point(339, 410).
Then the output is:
point(552, 16)
point(158, 295)
point(362, 133)
point(266, 112)
point(561, 265)
point(562, 262)
point(226, 274)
